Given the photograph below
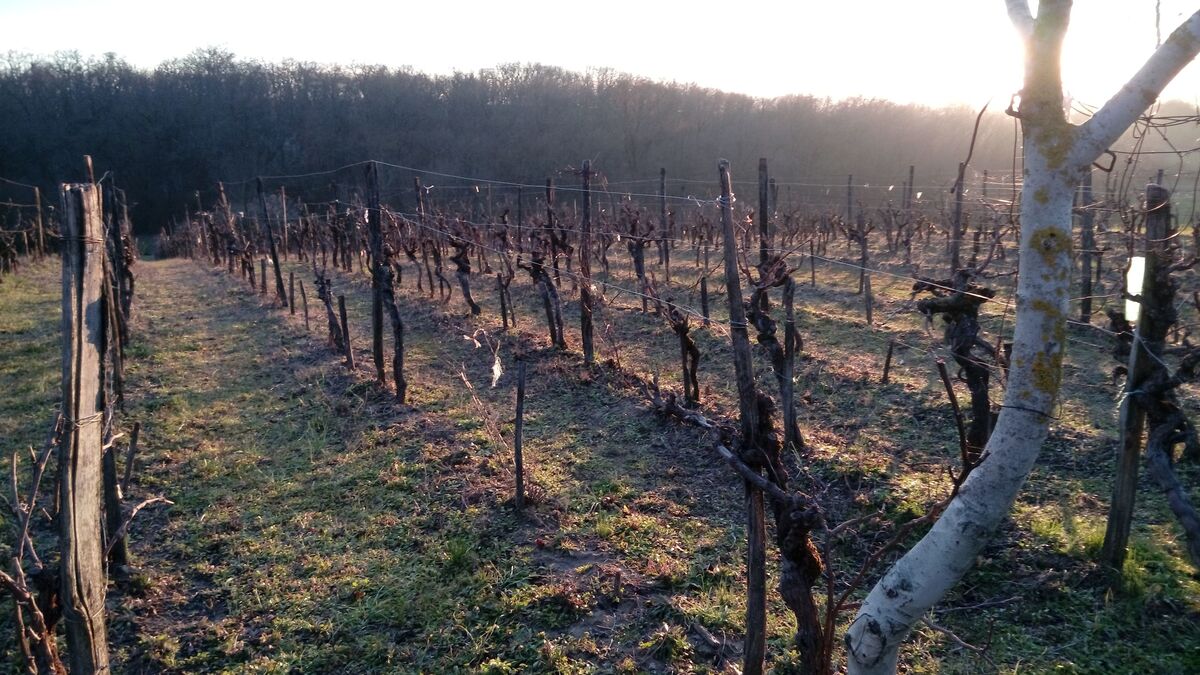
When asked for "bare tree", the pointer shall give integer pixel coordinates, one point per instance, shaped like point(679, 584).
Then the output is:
point(1057, 154)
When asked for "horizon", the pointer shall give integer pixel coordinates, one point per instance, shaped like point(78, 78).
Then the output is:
point(941, 62)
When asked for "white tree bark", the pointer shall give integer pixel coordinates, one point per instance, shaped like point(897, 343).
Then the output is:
point(1056, 154)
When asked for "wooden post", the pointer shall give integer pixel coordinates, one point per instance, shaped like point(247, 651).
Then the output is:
point(283, 225)
point(118, 553)
point(667, 232)
point(868, 297)
point(292, 292)
point(130, 455)
point(262, 264)
point(956, 233)
point(755, 649)
point(763, 215)
point(82, 577)
point(787, 388)
point(585, 268)
point(518, 435)
point(387, 290)
point(907, 203)
point(126, 281)
point(41, 234)
point(812, 262)
point(1148, 340)
point(503, 300)
point(849, 199)
point(304, 301)
point(420, 192)
point(375, 231)
point(346, 332)
point(551, 220)
point(520, 221)
point(231, 236)
point(887, 361)
point(279, 290)
point(115, 263)
point(704, 299)
point(773, 205)
point(1087, 244)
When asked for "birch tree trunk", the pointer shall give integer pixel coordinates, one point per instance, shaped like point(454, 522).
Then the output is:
point(1056, 155)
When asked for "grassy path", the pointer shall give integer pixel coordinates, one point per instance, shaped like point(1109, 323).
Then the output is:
point(320, 527)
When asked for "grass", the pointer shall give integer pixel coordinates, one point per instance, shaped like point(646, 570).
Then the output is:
point(320, 527)
point(30, 354)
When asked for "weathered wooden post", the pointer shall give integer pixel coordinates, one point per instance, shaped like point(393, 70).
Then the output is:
point(887, 361)
point(812, 262)
point(787, 388)
point(755, 649)
point(520, 221)
point(283, 222)
point(585, 268)
point(849, 198)
point(868, 296)
point(763, 220)
point(229, 231)
point(375, 232)
point(41, 233)
point(346, 332)
point(117, 545)
point(130, 457)
point(1087, 244)
point(304, 301)
point(667, 235)
point(908, 198)
point(502, 291)
point(518, 435)
point(956, 233)
point(292, 292)
point(82, 577)
point(419, 190)
point(551, 223)
point(763, 215)
point(774, 192)
point(1148, 341)
point(279, 290)
point(387, 289)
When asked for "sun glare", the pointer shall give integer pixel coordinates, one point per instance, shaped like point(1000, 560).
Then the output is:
point(936, 52)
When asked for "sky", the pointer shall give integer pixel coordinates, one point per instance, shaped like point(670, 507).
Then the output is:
point(935, 52)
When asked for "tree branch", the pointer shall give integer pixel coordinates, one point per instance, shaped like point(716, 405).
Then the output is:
point(753, 477)
point(121, 531)
point(950, 634)
point(1022, 18)
point(1107, 125)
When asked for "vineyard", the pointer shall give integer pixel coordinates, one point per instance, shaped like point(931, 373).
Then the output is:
point(414, 421)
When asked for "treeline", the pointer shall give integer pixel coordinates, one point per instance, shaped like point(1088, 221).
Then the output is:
point(210, 116)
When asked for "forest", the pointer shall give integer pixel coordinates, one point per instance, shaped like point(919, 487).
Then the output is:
point(210, 116)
